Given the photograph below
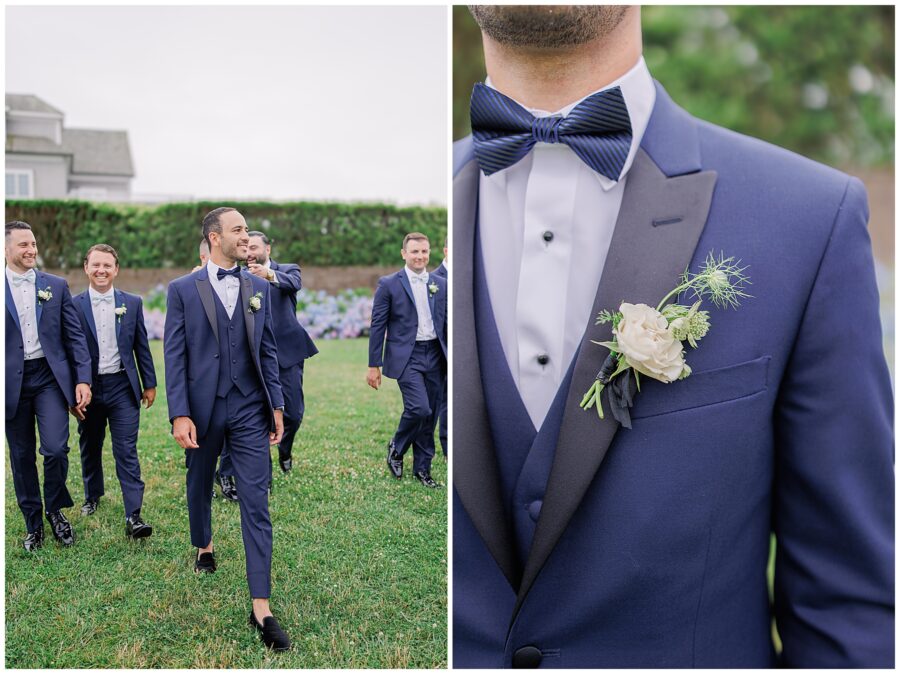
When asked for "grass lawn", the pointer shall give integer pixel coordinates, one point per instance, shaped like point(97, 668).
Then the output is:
point(359, 571)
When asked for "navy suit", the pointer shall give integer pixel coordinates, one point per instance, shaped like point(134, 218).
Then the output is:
point(116, 399)
point(294, 347)
point(442, 405)
point(43, 389)
point(222, 372)
point(418, 367)
point(587, 545)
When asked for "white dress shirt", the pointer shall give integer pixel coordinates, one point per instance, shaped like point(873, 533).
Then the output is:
point(228, 289)
point(419, 285)
point(25, 299)
point(103, 306)
point(541, 291)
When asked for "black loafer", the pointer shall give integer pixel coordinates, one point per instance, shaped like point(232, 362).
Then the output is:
point(34, 539)
point(426, 479)
point(394, 461)
point(205, 563)
point(286, 464)
point(135, 527)
point(229, 489)
point(89, 507)
point(271, 633)
point(62, 530)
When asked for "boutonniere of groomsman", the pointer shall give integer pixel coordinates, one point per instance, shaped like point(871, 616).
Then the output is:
point(123, 377)
point(441, 271)
point(408, 340)
point(48, 370)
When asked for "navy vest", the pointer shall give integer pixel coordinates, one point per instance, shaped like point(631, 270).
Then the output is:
point(235, 358)
point(524, 456)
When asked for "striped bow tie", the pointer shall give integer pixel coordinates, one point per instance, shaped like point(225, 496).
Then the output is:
point(598, 130)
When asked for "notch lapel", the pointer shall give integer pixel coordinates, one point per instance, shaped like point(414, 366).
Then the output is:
point(11, 306)
point(118, 301)
point(476, 475)
point(663, 253)
point(204, 289)
point(404, 281)
point(38, 305)
point(88, 312)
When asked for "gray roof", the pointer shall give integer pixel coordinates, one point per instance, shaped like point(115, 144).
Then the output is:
point(93, 151)
point(29, 103)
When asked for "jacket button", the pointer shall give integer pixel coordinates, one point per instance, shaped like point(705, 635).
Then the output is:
point(534, 510)
point(527, 657)
point(215, 355)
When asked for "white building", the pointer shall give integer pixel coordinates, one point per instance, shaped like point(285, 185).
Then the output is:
point(46, 160)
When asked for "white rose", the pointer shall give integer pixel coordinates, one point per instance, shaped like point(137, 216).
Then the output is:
point(645, 338)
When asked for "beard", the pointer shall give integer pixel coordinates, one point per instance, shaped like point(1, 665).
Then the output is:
point(547, 26)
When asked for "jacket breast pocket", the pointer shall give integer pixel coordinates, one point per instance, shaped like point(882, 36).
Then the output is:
point(701, 389)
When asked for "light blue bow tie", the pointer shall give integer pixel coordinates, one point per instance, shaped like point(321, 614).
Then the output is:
point(27, 277)
point(96, 299)
point(420, 278)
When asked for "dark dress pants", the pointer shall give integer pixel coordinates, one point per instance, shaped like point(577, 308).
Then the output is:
point(420, 386)
point(242, 425)
point(112, 402)
point(41, 399)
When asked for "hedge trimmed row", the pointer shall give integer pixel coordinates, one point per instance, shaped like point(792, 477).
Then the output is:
point(319, 234)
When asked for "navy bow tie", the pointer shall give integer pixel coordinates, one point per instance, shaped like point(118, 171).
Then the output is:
point(598, 130)
point(222, 273)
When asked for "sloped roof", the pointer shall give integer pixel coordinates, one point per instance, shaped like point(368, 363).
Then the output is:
point(29, 103)
point(93, 151)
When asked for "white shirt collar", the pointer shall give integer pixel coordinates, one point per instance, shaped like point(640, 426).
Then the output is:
point(639, 93)
point(212, 270)
point(410, 274)
point(93, 293)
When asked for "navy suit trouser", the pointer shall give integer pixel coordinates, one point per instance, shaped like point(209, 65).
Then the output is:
point(41, 399)
point(442, 413)
point(420, 385)
point(242, 425)
point(112, 402)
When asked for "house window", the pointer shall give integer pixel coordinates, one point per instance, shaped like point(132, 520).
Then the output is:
point(19, 184)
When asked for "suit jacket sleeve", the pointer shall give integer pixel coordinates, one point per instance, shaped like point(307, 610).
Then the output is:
point(175, 355)
point(288, 276)
point(834, 488)
point(74, 340)
point(381, 311)
point(268, 356)
point(142, 350)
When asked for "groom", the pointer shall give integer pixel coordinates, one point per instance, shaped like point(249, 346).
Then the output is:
point(581, 544)
point(222, 388)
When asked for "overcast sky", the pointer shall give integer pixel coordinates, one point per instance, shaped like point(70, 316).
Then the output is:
point(345, 103)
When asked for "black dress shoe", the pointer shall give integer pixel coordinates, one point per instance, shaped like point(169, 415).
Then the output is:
point(205, 563)
point(394, 461)
point(271, 633)
point(135, 527)
point(89, 507)
point(34, 539)
point(229, 489)
point(62, 530)
point(286, 464)
point(425, 478)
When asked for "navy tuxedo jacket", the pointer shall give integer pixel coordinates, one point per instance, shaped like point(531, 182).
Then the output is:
point(648, 547)
point(62, 340)
point(294, 343)
point(190, 346)
point(394, 314)
point(131, 337)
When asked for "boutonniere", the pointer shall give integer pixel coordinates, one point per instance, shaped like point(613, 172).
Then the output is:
point(45, 295)
point(648, 341)
point(432, 288)
point(121, 311)
point(255, 303)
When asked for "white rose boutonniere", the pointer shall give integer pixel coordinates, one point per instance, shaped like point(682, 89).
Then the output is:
point(45, 295)
point(120, 311)
point(432, 288)
point(255, 303)
point(648, 341)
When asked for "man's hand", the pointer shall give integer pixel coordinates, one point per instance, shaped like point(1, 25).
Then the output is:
point(82, 399)
point(258, 270)
point(373, 379)
point(148, 396)
point(185, 433)
point(77, 413)
point(275, 438)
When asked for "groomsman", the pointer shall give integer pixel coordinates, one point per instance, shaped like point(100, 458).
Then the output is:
point(408, 336)
point(113, 323)
point(294, 345)
point(442, 405)
point(48, 369)
point(222, 388)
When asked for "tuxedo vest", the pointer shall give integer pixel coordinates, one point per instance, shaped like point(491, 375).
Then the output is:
point(235, 359)
point(524, 456)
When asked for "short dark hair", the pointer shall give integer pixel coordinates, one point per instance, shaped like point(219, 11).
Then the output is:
point(414, 236)
point(262, 236)
point(101, 248)
point(212, 222)
point(16, 224)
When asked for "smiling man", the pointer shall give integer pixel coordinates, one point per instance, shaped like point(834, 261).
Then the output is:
point(408, 337)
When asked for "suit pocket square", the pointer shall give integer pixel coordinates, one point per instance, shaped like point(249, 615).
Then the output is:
point(701, 389)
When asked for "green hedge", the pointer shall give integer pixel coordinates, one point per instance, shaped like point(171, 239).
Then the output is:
point(319, 234)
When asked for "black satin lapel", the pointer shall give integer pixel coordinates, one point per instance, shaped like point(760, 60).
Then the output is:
point(644, 263)
point(206, 299)
point(250, 316)
point(475, 471)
